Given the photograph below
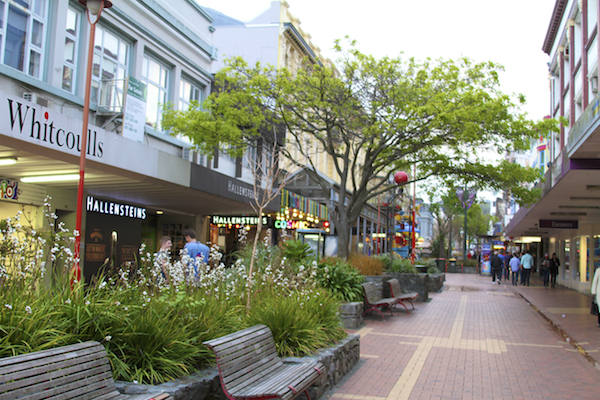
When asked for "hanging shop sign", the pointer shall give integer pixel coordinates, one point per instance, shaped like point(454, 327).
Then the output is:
point(557, 224)
point(232, 220)
point(117, 209)
point(9, 189)
point(27, 121)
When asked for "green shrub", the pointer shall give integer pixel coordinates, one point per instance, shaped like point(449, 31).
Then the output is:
point(341, 279)
point(296, 251)
point(433, 270)
point(403, 266)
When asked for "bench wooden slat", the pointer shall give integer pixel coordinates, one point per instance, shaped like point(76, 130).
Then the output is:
point(55, 378)
point(373, 299)
point(396, 292)
point(81, 371)
point(75, 365)
point(47, 353)
point(250, 368)
point(235, 335)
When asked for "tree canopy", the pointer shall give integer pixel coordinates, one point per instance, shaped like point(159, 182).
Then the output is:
point(372, 117)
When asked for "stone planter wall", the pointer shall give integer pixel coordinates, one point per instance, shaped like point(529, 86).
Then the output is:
point(408, 282)
point(436, 282)
point(204, 385)
point(351, 314)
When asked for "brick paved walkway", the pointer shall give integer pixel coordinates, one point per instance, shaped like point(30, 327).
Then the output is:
point(476, 340)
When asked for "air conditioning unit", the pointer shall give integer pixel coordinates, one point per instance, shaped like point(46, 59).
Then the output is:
point(34, 98)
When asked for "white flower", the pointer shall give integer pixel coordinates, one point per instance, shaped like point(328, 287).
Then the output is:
point(28, 309)
point(87, 302)
point(107, 338)
point(136, 382)
point(68, 301)
point(8, 306)
point(117, 303)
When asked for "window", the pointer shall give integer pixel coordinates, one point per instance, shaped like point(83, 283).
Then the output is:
point(189, 92)
point(156, 77)
point(110, 68)
point(70, 59)
point(22, 34)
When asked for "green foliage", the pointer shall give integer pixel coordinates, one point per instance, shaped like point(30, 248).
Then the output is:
point(341, 279)
point(432, 269)
point(403, 266)
point(153, 330)
point(296, 251)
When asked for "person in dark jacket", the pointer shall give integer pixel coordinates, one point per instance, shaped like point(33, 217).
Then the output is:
point(554, 264)
point(496, 266)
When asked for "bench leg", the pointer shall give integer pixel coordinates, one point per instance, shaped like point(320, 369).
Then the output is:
point(376, 309)
point(411, 303)
point(404, 305)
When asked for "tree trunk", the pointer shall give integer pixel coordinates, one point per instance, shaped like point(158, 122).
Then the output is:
point(343, 233)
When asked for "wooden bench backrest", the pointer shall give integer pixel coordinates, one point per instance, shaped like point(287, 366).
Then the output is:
point(394, 287)
point(245, 356)
point(61, 373)
point(372, 295)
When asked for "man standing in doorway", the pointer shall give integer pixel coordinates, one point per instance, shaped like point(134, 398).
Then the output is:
point(195, 249)
point(527, 262)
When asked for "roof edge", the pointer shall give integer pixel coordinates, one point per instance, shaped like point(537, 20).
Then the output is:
point(557, 15)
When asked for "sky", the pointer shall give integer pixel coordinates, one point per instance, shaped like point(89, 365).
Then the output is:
point(508, 32)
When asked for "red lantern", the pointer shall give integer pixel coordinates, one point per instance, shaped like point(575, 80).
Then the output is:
point(401, 177)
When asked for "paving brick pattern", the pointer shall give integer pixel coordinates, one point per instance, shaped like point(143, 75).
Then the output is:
point(476, 340)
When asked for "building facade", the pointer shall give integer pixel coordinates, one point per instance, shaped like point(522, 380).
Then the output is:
point(140, 183)
point(566, 220)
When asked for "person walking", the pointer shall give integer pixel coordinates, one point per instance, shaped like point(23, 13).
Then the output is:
point(545, 268)
point(515, 266)
point(554, 264)
point(496, 266)
point(527, 263)
point(596, 289)
point(195, 249)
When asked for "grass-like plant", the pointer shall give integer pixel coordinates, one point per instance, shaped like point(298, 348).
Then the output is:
point(153, 328)
point(403, 266)
point(367, 265)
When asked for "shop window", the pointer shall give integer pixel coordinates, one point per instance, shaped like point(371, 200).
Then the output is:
point(596, 251)
point(22, 34)
point(109, 70)
point(156, 77)
point(71, 50)
point(566, 258)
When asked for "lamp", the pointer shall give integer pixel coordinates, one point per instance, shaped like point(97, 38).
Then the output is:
point(50, 178)
point(95, 8)
point(8, 160)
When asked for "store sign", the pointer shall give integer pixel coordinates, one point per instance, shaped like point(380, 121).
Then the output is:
point(238, 189)
point(134, 116)
point(290, 224)
point(9, 189)
point(228, 220)
point(32, 123)
point(558, 224)
point(116, 209)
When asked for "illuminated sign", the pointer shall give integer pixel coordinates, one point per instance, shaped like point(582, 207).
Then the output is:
point(290, 225)
point(116, 209)
point(229, 220)
point(9, 189)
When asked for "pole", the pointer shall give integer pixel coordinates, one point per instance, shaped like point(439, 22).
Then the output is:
point(84, 134)
point(412, 250)
point(465, 236)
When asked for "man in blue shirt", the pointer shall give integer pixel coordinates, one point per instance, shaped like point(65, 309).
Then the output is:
point(527, 263)
point(195, 249)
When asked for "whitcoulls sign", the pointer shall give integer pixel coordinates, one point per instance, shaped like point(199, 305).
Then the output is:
point(32, 123)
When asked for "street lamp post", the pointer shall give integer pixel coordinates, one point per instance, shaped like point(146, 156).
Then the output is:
point(93, 7)
point(466, 197)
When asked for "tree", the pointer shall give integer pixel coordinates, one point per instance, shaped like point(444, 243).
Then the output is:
point(373, 117)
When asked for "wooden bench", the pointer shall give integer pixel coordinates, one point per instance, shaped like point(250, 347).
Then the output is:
point(79, 371)
point(396, 293)
point(374, 301)
point(249, 367)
